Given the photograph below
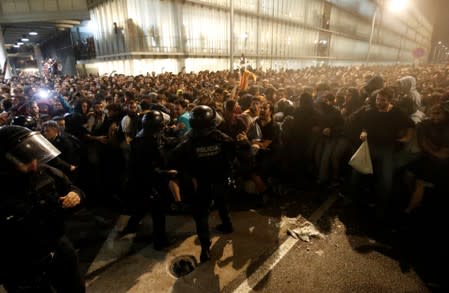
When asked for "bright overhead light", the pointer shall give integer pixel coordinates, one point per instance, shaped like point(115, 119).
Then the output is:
point(16, 46)
point(92, 27)
point(33, 33)
point(397, 5)
point(24, 39)
point(19, 43)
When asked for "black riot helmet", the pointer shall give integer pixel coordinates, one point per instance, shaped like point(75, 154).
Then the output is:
point(19, 145)
point(153, 121)
point(202, 117)
point(25, 121)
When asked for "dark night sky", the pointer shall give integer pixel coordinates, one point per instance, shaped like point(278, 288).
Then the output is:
point(438, 12)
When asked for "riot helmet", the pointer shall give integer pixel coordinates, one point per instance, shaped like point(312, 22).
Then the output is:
point(25, 121)
point(202, 117)
point(19, 146)
point(153, 121)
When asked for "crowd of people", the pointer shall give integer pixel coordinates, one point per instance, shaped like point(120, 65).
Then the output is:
point(50, 67)
point(150, 142)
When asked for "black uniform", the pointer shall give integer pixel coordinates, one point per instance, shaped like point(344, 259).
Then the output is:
point(147, 186)
point(70, 148)
point(206, 155)
point(35, 256)
point(71, 152)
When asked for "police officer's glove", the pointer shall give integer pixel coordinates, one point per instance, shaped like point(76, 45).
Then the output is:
point(71, 200)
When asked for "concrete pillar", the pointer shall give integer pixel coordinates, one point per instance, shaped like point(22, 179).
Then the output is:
point(231, 36)
point(38, 57)
point(69, 65)
point(4, 62)
point(180, 34)
point(258, 35)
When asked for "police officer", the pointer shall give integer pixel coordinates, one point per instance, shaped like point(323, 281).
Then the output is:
point(206, 155)
point(148, 183)
point(35, 256)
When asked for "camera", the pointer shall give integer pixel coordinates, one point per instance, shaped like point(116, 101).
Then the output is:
point(44, 93)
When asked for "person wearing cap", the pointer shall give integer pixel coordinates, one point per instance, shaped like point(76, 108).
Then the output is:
point(35, 255)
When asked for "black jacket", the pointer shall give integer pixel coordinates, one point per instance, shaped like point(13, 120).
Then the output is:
point(31, 214)
point(147, 159)
point(206, 155)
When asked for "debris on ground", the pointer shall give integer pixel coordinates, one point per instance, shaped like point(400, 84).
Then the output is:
point(304, 229)
point(319, 252)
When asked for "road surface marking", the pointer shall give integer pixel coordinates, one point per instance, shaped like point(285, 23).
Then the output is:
point(283, 249)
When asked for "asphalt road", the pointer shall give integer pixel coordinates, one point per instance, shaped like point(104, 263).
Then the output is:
point(352, 256)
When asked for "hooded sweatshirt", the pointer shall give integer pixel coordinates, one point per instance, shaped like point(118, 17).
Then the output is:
point(408, 85)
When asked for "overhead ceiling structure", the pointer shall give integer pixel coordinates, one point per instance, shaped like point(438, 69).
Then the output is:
point(39, 20)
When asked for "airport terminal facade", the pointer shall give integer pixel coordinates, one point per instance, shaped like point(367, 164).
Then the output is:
point(139, 36)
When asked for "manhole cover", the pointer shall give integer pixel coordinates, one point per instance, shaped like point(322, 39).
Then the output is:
point(183, 265)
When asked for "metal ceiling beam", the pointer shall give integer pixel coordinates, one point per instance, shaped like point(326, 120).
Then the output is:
point(33, 27)
point(29, 5)
point(59, 25)
point(45, 16)
point(93, 3)
point(67, 21)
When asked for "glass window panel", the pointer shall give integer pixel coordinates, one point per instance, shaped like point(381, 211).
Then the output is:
point(345, 22)
point(367, 8)
point(206, 30)
point(392, 22)
point(388, 37)
point(345, 48)
point(266, 7)
point(203, 29)
point(313, 10)
point(364, 7)
point(247, 5)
